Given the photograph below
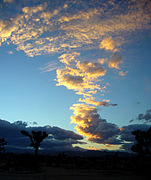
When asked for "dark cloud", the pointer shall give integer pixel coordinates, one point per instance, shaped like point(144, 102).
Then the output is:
point(100, 131)
point(145, 117)
point(58, 140)
point(20, 123)
point(126, 136)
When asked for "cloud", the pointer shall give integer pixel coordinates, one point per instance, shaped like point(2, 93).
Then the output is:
point(91, 70)
point(96, 103)
point(50, 66)
point(10, 52)
point(45, 28)
point(90, 124)
point(145, 118)
point(68, 58)
point(115, 61)
point(20, 124)
point(7, 27)
point(58, 139)
point(127, 137)
point(79, 76)
point(109, 44)
point(8, 1)
point(122, 73)
point(32, 10)
point(81, 15)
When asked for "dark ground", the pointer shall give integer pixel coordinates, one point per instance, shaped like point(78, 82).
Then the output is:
point(58, 167)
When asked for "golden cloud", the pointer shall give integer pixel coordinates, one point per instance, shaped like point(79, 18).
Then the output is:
point(79, 76)
point(92, 101)
point(44, 30)
point(109, 44)
point(90, 124)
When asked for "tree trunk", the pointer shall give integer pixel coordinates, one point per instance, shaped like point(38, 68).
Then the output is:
point(36, 152)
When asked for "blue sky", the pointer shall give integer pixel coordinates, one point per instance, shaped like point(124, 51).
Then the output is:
point(82, 46)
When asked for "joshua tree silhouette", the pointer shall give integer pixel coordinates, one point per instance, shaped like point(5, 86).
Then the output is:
point(143, 145)
point(36, 138)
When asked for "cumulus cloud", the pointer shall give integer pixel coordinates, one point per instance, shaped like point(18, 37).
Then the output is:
point(58, 139)
point(90, 124)
point(98, 130)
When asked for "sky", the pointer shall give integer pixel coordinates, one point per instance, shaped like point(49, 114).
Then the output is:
point(82, 66)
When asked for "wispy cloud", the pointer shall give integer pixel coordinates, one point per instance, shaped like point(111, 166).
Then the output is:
point(50, 66)
point(92, 101)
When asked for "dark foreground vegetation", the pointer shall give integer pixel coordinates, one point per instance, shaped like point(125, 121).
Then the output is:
point(114, 163)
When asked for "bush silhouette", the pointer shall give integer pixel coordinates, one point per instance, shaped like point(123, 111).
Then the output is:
point(143, 142)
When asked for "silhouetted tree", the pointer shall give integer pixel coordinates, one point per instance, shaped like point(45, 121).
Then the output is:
point(3, 143)
point(36, 138)
point(143, 142)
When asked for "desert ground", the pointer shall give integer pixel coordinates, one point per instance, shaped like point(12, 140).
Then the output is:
point(24, 167)
point(71, 174)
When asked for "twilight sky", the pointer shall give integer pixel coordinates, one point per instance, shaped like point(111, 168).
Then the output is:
point(79, 65)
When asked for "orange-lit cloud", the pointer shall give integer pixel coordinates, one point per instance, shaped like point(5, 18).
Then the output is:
point(41, 29)
point(94, 148)
point(122, 73)
point(92, 126)
point(79, 76)
point(110, 44)
point(91, 100)
point(67, 58)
